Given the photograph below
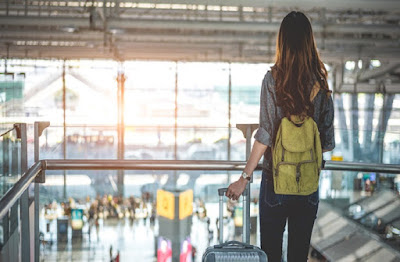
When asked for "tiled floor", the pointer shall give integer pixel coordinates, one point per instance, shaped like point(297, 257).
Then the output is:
point(135, 241)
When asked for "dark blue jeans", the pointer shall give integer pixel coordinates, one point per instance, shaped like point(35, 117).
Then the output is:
point(275, 209)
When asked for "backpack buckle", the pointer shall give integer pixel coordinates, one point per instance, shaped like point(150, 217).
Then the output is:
point(298, 172)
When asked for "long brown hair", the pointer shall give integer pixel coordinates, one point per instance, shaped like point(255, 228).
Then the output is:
point(297, 65)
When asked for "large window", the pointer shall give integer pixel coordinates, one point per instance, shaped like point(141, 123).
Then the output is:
point(203, 110)
point(208, 99)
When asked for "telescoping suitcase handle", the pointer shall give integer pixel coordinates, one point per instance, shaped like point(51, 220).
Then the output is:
point(234, 243)
point(221, 193)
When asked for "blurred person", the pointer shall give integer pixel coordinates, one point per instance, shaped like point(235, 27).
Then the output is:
point(153, 214)
point(132, 207)
point(186, 252)
point(97, 224)
point(287, 90)
point(164, 252)
point(91, 216)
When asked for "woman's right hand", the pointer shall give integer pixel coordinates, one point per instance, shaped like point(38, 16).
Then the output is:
point(236, 188)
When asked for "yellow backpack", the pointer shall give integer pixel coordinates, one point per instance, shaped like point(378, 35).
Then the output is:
point(297, 155)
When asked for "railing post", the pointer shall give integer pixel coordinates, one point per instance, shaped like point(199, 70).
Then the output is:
point(38, 130)
point(247, 130)
point(24, 200)
point(5, 220)
point(121, 128)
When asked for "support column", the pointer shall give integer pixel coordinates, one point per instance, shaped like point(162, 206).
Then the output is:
point(368, 126)
point(382, 124)
point(342, 122)
point(229, 119)
point(24, 200)
point(355, 128)
point(64, 89)
point(121, 128)
point(229, 113)
point(338, 73)
point(176, 114)
point(175, 180)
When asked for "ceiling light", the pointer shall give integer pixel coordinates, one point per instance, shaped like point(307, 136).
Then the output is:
point(69, 29)
point(116, 31)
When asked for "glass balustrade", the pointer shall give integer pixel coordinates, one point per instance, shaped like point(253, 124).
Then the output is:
point(10, 156)
point(368, 199)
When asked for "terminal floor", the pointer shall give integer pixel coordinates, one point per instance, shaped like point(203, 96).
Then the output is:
point(134, 240)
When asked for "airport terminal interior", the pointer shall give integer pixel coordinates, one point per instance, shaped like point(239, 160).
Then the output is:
point(120, 119)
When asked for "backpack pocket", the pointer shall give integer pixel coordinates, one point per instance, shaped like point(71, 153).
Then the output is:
point(309, 177)
point(285, 178)
point(297, 176)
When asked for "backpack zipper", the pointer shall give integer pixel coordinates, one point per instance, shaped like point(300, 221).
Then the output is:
point(298, 173)
point(283, 163)
point(298, 177)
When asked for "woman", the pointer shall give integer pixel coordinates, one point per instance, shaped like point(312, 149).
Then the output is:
point(288, 90)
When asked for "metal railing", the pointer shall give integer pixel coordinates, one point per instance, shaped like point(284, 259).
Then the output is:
point(7, 131)
point(8, 203)
point(210, 165)
point(14, 194)
point(35, 174)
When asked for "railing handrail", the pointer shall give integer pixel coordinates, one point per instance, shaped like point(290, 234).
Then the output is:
point(114, 164)
point(131, 164)
point(15, 192)
point(6, 132)
point(362, 167)
point(10, 198)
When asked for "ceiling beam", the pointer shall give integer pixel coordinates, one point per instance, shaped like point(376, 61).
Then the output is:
point(257, 39)
point(236, 26)
point(174, 52)
point(390, 5)
point(378, 72)
point(379, 87)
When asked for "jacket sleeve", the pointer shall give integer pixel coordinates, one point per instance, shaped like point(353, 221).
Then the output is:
point(265, 132)
point(326, 129)
point(318, 147)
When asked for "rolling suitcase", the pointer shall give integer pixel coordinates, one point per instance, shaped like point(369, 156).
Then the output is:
point(233, 251)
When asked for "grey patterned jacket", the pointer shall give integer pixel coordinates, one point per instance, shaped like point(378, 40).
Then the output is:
point(271, 115)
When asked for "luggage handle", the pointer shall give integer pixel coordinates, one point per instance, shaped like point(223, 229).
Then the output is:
point(221, 193)
point(233, 243)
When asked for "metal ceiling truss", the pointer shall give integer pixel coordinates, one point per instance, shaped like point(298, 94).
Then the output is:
point(384, 79)
point(235, 30)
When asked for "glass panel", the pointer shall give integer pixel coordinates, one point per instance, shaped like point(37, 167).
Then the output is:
point(91, 93)
point(10, 155)
point(201, 143)
point(391, 144)
point(10, 173)
point(246, 87)
point(203, 111)
point(92, 142)
point(149, 142)
point(149, 94)
point(203, 94)
point(366, 126)
point(238, 145)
